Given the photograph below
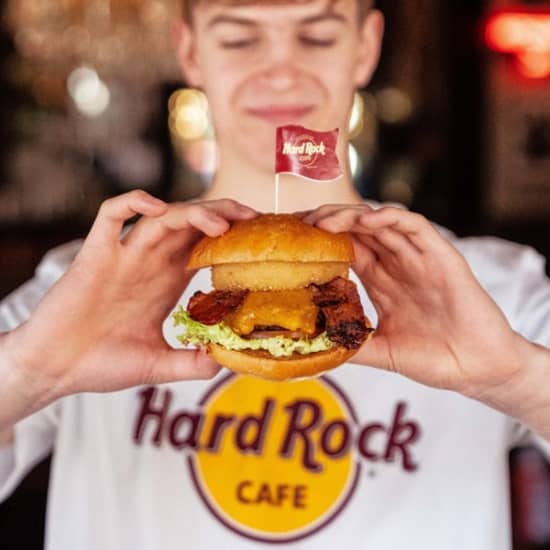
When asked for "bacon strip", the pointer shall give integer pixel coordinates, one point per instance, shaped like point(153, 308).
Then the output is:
point(340, 303)
point(337, 300)
point(213, 307)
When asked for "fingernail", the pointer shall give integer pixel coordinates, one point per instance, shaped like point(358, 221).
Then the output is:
point(247, 211)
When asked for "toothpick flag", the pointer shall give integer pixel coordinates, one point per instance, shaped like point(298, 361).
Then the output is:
point(306, 153)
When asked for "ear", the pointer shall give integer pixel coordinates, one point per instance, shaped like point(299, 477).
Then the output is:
point(371, 34)
point(187, 54)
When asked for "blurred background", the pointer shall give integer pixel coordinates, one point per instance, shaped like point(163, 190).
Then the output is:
point(456, 125)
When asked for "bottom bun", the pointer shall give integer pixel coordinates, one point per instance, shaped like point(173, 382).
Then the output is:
point(264, 365)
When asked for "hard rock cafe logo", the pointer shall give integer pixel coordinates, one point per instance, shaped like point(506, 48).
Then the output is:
point(275, 462)
point(305, 149)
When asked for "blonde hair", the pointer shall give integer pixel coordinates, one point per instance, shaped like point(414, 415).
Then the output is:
point(189, 5)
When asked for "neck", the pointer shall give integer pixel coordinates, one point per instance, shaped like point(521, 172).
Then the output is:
point(255, 186)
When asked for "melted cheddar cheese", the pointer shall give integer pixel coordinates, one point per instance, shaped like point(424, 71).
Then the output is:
point(289, 309)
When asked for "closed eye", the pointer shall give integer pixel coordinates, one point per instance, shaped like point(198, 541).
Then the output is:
point(238, 44)
point(317, 42)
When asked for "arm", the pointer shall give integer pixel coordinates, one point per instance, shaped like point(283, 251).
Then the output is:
point(436, 324)
point(527, 395)
point(21, 393)
point(32, 439)
point(110, 305)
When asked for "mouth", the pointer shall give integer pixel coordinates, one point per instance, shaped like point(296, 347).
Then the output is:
point(280, 115)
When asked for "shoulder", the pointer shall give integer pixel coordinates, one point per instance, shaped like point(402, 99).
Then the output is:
point(57, 260)
point(513, 274)
point(515, 277)
point(17, 306)
point(492, 258)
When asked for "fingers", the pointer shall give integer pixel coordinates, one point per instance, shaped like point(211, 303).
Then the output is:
point(336, 217)
point(414, 226)
point(177, 365)
point(384, 241)
point(373, 353)
point(368, 251)
point(396, 242)
point(211, 218)
point(115, 211)
point(399, 231)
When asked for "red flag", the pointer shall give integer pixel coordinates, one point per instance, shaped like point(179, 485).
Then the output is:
point(307, 153)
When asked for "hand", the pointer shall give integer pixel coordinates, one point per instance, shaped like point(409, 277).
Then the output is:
point(100, 327)
point(436, 324)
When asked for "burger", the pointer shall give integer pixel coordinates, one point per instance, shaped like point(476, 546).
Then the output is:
point(282, 305)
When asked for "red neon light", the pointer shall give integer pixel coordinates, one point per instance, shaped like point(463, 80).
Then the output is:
point(534, 64)
point(525, 34)
point(518, 32)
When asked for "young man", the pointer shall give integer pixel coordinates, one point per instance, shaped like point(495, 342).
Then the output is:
point(362, 457)
point(264, 64)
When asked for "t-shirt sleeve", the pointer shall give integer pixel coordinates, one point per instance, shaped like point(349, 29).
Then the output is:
point(515, 277)
point(18, 306)
point(533, 322)
point(34, 436)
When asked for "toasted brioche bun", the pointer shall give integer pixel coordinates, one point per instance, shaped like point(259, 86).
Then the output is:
point(272, 238)
point(264, 365)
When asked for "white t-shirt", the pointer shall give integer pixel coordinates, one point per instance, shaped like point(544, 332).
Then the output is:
point(358, 458)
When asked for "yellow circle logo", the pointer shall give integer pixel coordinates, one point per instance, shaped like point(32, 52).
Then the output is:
point(274, 461)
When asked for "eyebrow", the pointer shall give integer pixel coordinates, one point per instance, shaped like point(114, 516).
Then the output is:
point(327, 16)
point(221, 19)
point(231, 19)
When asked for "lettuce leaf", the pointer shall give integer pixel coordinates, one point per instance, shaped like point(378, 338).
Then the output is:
point(198, 334)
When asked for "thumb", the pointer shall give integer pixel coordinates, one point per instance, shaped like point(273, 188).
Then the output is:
point(373, 353)
point(176, 365)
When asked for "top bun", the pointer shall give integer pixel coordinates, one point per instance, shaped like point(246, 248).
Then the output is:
point(272, 238)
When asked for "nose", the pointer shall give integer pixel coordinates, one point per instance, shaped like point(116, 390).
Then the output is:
point(279, 78)
point(280, 66)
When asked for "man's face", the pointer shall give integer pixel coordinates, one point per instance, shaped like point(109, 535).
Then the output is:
point(264, 65)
